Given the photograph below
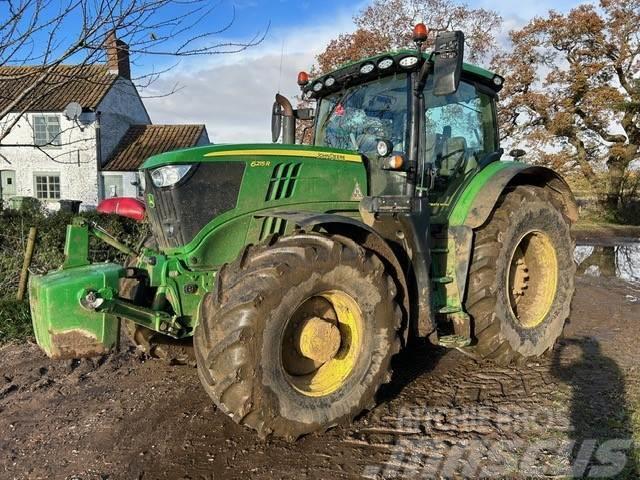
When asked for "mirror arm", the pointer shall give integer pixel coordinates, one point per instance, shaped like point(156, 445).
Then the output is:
point(422, 76)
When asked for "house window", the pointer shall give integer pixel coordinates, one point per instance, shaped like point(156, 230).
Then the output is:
point(46, 130)
point(47, 186)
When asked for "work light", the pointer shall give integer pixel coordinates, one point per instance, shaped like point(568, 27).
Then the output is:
point(367, 68)
point(408, 62)
point(385, 63)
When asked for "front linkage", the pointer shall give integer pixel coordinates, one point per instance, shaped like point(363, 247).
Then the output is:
point(76, 309)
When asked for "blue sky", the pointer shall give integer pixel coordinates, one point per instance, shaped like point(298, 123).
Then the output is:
point(232, 94)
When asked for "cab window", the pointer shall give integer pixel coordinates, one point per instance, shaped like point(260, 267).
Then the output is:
point(459, 132)
point(356, 118)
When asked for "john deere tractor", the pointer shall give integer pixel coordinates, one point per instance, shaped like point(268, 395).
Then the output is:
point(299, 271)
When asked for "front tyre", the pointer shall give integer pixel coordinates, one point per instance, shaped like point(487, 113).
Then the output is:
point(521, 278)
point(298, 335)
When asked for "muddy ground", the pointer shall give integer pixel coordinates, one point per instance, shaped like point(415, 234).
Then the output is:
point(124, 416)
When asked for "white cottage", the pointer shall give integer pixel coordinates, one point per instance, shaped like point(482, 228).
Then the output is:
point(82, 135)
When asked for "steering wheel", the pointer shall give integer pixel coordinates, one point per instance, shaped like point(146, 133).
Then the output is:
point(459, 163)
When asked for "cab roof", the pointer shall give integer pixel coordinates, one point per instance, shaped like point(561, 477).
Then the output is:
point(350, 73)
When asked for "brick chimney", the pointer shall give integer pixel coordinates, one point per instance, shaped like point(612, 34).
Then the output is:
point(117, 55)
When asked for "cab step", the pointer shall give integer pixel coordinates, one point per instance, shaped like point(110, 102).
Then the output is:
point(454, 341)
point(449, 310)
point(442, 280)
point(440, 250)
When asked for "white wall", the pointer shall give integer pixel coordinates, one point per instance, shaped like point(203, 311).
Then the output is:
point(74, 160)
point(120, 108)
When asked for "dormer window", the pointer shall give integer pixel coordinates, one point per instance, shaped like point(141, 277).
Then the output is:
point(46, 130)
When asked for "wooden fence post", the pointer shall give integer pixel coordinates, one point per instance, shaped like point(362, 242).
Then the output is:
point(24, 274)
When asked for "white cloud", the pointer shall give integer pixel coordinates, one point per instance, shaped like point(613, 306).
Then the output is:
point(233, 94)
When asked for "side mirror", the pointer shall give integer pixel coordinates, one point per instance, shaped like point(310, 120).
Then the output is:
point(305, 113)
point(517, 153)
point(276, 121)
point(449, 53)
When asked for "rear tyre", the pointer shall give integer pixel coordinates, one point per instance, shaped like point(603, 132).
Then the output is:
point(298, 335)
point(521, 279)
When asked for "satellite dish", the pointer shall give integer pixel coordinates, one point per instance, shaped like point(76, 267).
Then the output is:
point(72, 111)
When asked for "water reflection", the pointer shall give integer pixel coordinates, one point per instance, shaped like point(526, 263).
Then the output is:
point(622, 261)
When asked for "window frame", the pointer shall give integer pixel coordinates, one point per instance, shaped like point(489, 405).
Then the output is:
point(47, 175)
point(54, 142)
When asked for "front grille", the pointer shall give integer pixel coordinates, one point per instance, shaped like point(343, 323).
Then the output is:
point(179, 212)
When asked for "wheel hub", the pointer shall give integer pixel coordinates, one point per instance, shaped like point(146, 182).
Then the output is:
point(318, 339)
point(532, 279)
point(322, 343)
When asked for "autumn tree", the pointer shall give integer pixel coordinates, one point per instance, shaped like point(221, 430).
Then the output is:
point(572, 93)
point(387, 25)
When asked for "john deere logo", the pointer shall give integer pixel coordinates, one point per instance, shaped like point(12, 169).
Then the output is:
point(151, 202)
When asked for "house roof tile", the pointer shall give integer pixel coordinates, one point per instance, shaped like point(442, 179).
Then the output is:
point(142, 141)
point(85, 84)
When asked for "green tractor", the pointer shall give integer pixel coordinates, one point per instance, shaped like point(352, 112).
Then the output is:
point(299, 271)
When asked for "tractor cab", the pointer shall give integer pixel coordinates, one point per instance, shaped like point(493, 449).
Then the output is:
point(424, 122)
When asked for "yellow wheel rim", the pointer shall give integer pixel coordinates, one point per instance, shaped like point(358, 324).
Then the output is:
point(322, 343)
point(532, 279)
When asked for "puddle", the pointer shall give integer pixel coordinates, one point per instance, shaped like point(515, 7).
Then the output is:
point(620, 261)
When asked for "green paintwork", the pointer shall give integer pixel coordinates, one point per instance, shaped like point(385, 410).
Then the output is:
point(463, 201)
point(220, 241)
point(76, 247)
point(199, 154)
point(319, 179)
point(63, 328)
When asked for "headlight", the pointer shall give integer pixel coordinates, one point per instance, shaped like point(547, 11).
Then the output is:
point(385, 63)
point(169, 175)
point(367, 68)
point(317, 86)
point(329, 82)
point(407, 62)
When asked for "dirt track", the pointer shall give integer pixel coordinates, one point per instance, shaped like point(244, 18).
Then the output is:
point(124, 417)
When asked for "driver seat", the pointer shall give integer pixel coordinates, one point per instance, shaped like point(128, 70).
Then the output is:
point(454, 156)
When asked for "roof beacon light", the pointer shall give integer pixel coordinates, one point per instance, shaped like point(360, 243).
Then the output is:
point(303, 79)
point(420, 33)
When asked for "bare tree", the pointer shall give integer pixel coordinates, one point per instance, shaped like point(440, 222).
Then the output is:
point(43, 36)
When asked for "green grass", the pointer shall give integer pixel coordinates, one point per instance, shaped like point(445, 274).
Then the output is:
point(15, 321)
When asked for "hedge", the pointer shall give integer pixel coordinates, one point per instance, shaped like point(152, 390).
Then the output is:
point(15, 322)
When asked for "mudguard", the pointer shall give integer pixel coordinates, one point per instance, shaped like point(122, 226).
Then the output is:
point(476, 202)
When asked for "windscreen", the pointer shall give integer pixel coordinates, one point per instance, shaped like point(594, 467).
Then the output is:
point(355, 118)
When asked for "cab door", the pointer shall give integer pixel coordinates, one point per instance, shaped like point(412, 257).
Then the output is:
point(460, 138)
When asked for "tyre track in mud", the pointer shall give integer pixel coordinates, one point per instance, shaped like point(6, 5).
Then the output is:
point(123, 416)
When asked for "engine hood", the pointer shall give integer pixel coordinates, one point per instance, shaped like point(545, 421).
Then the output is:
point(210, 153)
